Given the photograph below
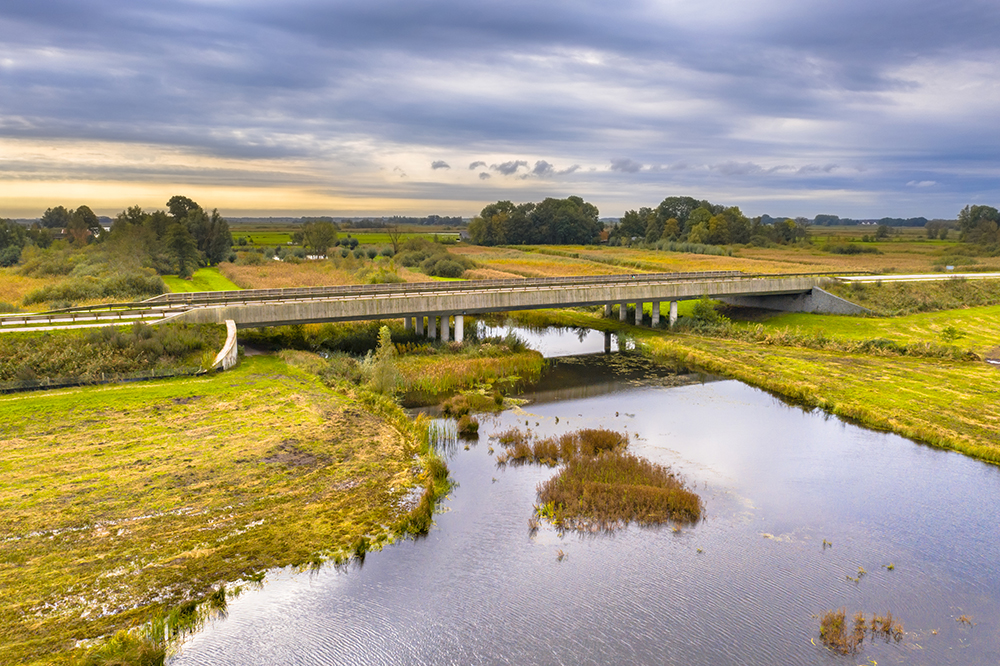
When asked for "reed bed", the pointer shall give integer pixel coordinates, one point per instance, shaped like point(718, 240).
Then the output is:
point(439, 374)
point(601, 485)
point(844, 638)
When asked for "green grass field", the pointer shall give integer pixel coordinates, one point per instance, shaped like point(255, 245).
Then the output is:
point(204, 279)
point(273, 237)
point(977, 329)
point(120, 501)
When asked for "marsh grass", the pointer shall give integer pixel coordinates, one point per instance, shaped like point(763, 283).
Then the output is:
point(910, 254)
point(88, 355)
point(847, 638)
point(468, 427)
point(428, 377)
point(601, 485)
point(121, 504)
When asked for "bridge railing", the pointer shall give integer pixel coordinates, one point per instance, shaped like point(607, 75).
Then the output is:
point(204, 298)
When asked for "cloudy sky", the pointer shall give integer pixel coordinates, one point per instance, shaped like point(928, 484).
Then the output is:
point(859, 108)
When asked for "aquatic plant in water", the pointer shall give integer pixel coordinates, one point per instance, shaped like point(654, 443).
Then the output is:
point(834, 632)
point(601, 485)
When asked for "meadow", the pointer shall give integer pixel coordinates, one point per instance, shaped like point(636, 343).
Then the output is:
point(262, 235)
point(204, 279)
point(119, 503)
point(908, 252)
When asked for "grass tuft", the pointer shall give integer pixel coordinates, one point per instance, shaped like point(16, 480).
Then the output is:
point(601, 486)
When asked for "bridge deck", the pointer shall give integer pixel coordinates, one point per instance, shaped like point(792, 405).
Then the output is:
point(271, 307)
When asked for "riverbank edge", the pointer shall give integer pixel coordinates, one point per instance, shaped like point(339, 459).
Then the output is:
point(687, 349)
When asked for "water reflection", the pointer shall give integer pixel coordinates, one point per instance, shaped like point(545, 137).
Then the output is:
point(556, 341)
point(742, 587)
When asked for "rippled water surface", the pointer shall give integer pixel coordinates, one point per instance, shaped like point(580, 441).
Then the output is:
point(741, 587)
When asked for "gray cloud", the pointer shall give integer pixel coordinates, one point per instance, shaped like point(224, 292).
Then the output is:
point(484, 176)
point(439, 164)
point(625, 165)
point(508, 168)
point(831, 88)
point(543, 168)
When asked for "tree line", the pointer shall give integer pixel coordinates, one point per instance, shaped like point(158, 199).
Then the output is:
point(178, 239)
point(980, 225)
point(570, 221)
point(689, 220)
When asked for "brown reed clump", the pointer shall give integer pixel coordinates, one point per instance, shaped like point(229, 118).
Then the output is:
point(833, 630)
point(601, 485)
point(523, 448)
point(616, 487)
point(468, 427)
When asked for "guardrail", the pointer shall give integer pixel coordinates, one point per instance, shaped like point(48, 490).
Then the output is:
point(169, 305)
point(419, 287)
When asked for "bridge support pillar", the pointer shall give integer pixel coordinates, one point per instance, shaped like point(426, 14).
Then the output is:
point(638, 313)
point(622, 312)
point(607, 342)
point(407, 323)
point(656, 314)
point(420, 325)
point(445, 325)
point(673, 313)
point(459, 328)
point(607, 310)
point(432, 322)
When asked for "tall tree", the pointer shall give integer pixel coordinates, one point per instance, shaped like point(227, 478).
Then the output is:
point(979, 224)
point(395, 236)
point(184, 249)
point(56, 218)
point(179, 207)
point(13, 238)
point(319, 235)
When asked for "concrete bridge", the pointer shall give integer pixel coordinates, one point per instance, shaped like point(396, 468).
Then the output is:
point(430, 307)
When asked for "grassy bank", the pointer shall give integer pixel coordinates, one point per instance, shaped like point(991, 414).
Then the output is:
point(436, 376)
point(975, 329)
point(204, 279)
point(431, 369)
point(119, 503)
point(947, 403)
point(88, 355)
point(900, 298)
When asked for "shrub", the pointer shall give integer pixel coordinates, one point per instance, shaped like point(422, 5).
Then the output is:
point(850, 248)
point(704, 312)
point(120, 286)
point(468, 427)
point(444, 268)
point(249, 258)
point(378, 274)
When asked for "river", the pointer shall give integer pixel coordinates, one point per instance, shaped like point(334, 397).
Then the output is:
point(797, 504)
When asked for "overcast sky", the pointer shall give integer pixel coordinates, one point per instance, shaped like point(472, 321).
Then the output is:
point(859, 108)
